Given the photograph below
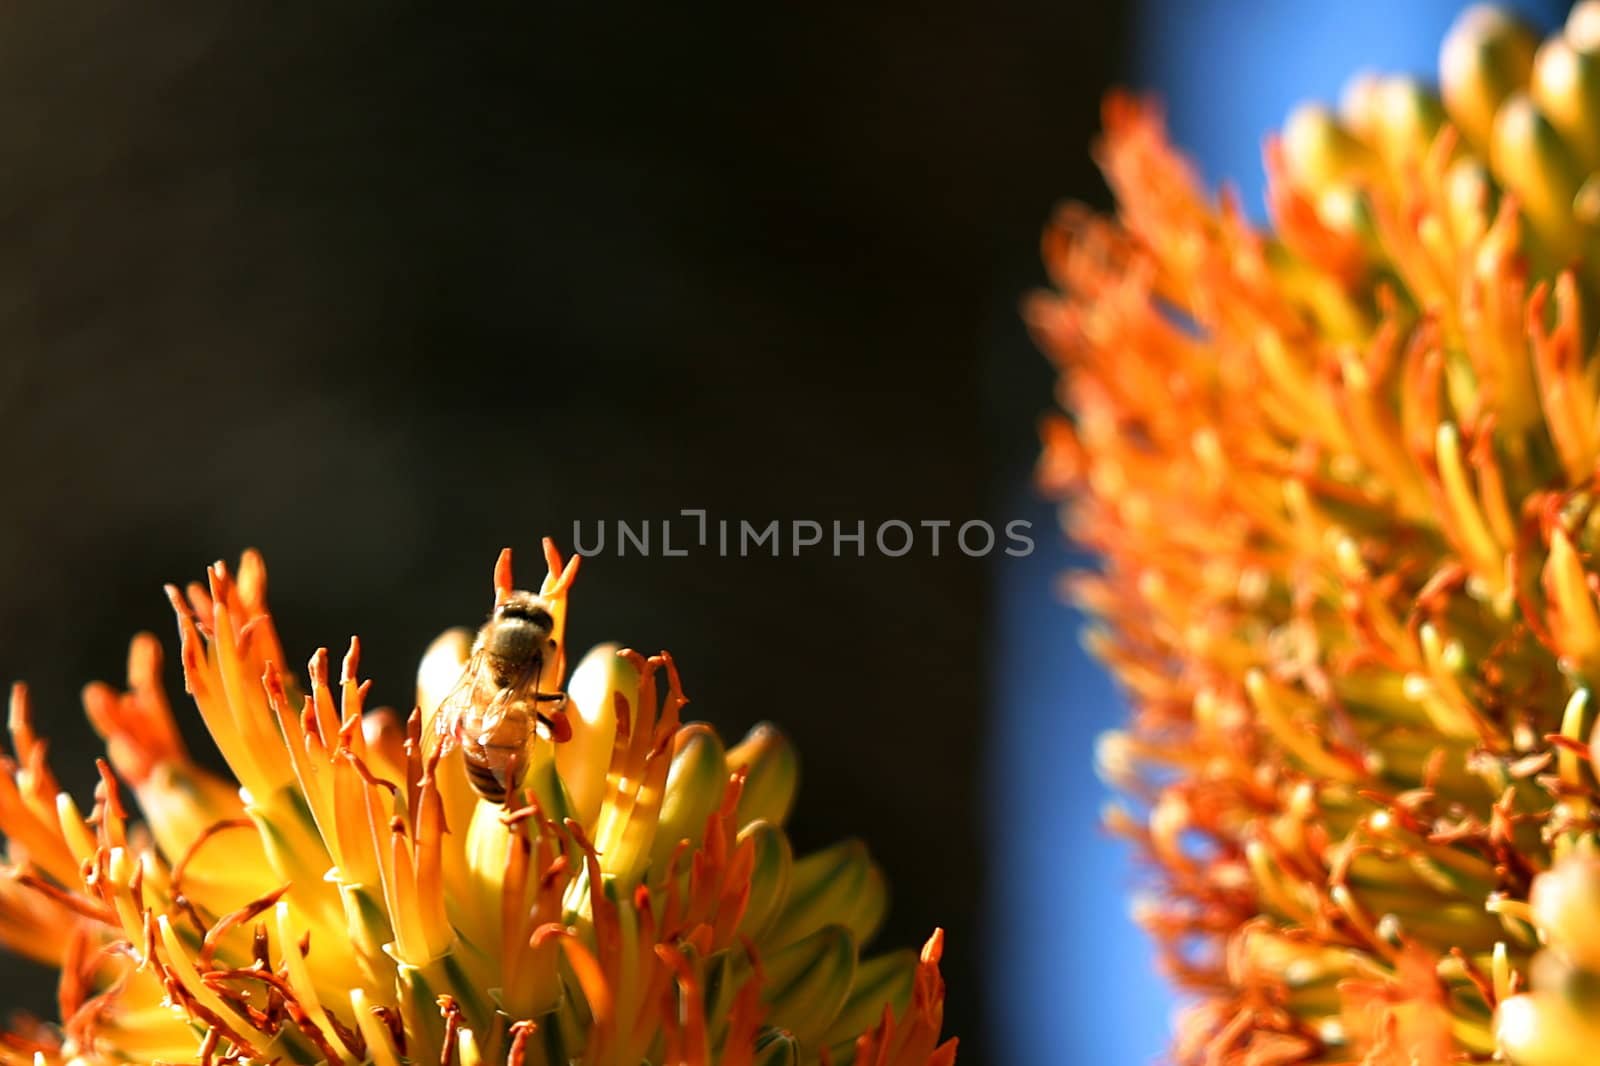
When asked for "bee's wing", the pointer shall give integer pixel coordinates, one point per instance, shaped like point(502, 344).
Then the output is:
point(440, 736)
point(491, 712)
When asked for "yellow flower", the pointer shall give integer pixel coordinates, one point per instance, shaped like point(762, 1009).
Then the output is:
point(1342, 475)
point(350, 900)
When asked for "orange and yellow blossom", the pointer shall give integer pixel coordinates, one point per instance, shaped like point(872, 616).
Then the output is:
point(346, 902)
point(1342, 475)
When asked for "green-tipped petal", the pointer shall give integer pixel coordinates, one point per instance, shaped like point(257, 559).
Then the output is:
point(1320, 152)
point(695, 786)
point(1566, 86)
point(1487, 56)
point(1533, 162)
point(1406, 118)
point(772, 774)
point(839, 886)
point(591, 711)
point(774, 1047)
point(808, 982)
point(881, 982)
point(769, 878)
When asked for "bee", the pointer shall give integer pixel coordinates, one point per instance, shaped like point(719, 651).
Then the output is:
point(496, 711)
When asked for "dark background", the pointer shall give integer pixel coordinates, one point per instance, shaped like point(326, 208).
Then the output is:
point(378, 291)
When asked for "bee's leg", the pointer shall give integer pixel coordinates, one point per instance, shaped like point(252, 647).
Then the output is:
point(556, 722)
point(559, 698)
point(556, 719)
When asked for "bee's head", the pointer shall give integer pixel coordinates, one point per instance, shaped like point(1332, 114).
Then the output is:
point(520, 627)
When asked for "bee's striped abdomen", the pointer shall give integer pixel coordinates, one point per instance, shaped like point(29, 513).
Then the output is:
point(485, 782)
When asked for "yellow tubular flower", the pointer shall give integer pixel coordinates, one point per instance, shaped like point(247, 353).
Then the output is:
point(353, 900)
point(1341, 472)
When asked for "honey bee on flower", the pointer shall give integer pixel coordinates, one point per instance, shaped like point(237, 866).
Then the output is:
point(623, 893)
point(498, 708)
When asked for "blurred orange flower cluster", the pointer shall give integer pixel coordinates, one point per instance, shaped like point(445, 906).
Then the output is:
point(1341, 472)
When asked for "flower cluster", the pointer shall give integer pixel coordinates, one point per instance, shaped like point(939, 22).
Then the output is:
point(1342, 475)
point(350, 900)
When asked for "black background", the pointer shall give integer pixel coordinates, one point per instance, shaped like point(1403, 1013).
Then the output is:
point(379, 291)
